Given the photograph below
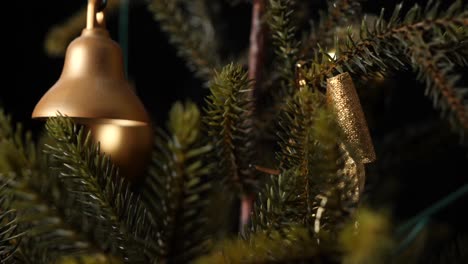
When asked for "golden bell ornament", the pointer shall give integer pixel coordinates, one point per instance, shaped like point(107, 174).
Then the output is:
point(93, 90)
point(128, 146)
point(92, 86)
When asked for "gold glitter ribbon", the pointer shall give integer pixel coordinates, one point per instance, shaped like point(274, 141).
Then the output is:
point(342, 95)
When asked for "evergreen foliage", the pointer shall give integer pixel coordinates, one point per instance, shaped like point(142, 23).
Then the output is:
point(113, 212)
point(191, 31)
point(340, 15)
point(63, 201)
point(228, 117)
point(405, 41)
point(314, 188)
point(284, 38)
point(292, 245)
point(178, 187)
point(8, 227)
point(42, 205)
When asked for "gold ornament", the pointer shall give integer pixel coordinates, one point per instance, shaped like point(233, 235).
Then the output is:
point(129, 147)
point(342, 95)
point(92, 90)
point(92, 87)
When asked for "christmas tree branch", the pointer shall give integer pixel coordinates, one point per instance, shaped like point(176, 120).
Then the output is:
point(288, 245)
point(318, 181)
point(43, 207)
point(440, 80)
point(10, 236)
point(385, 48)
point(457, 53)
point(45, 223)
point(178, 186)
point(279, 205)
point(196, 42)
point(379, 49)
point(297, 124)
point(280, 16)
point(341, 14)
point(228, 119)
point(118, 219)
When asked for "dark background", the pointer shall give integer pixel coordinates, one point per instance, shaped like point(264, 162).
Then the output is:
point(420, 160)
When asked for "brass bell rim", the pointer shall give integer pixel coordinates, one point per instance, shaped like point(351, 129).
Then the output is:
point(99, 121)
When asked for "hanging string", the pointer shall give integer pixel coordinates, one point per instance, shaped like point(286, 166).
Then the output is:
point(412, 235)
point(123, 31)
point(416, 224)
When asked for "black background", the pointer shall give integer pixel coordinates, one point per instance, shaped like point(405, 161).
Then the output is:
point(160, 77)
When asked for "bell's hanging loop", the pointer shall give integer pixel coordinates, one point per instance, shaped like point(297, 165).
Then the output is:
point(95, 15)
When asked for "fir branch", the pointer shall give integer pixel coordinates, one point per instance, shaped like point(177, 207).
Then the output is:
point(296, 124)
point(291, 245)
point(456, 52)
point(319, 185)
point(43, 207)
point(284, 201)
point(281, 202)
point(10, 235)
point(381, 48)
point(191, 32)
point(228, 116)
point(438, 73)
point(279, 205)
point(281, 81)
point(385, 48)
point(434, 66)
point(177, 189)
point(117, 218)
point(341, 14)
point(48, 235)
point(6, 130)
point(280, 20)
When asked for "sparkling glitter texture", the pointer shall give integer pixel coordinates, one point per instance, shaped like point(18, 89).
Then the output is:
point(342, 95)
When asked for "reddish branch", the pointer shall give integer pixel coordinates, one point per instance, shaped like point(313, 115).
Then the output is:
point(257, 41)
point(446, 88)
point(246, 209)
point(256, 50)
